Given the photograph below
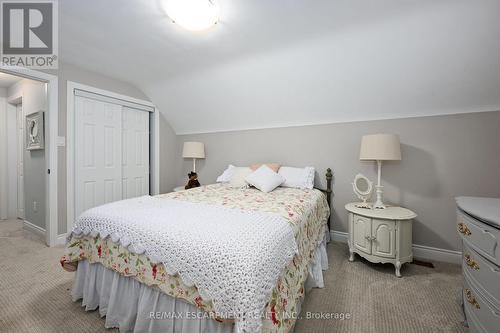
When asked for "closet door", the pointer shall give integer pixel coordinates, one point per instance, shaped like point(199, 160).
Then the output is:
point(135, 153)
point(98, 153)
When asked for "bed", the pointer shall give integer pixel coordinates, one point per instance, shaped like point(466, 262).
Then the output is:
point(138, 290)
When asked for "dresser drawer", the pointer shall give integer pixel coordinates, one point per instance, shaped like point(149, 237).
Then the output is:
point(480, 236)
point(478, 311)
point(486, 275)
point(472, 322)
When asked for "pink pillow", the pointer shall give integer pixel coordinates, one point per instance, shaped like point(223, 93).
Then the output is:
point(273, 166)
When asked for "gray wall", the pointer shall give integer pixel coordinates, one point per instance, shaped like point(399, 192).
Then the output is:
point(34, 99)
point(168, 156)
point(442, 157)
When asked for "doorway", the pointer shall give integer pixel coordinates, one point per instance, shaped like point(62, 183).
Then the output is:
point(25, 102)
point(15, 158)
point(28, 191)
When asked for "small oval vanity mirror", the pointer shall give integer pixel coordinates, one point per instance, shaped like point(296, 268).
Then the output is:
point(363, 188)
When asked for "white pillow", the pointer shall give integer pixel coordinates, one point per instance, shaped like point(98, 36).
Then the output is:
point(238, 177)
point(226, 175)
point(265, 179)
point(297, 177)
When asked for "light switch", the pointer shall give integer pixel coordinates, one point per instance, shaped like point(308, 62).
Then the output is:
point(61, 141)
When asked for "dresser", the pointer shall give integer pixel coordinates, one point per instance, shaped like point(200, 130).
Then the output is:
point(381, 235)
point(478, 224)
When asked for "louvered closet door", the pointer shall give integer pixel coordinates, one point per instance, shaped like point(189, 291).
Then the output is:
point(135, 153)
point(98, 153)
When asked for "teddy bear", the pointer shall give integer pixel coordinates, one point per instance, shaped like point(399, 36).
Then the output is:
point(193, 181)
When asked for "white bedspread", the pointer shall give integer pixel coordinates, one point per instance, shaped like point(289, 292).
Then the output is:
point(233, 257)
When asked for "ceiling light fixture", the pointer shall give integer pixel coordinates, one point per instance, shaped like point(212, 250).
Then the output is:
point(194, 15)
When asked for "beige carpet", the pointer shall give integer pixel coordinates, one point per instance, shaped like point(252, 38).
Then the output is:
point(34, 293)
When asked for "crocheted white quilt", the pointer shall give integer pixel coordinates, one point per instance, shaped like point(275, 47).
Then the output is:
point(233, 257)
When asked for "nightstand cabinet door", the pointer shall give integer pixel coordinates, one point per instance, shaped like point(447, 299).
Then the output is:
point(362, 233)
point(384, 238)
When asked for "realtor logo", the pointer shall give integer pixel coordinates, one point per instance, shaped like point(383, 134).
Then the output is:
point(29, 33)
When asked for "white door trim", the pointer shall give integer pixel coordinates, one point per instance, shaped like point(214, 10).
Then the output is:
point(11, 106)
point(114, 100)
point(21, 205)
point(13, 101)
point(3, 161)
point(70, 142)
point(51, 133)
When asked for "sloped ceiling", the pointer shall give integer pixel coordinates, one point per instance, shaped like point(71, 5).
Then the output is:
point(294, 62)
point(6, 80)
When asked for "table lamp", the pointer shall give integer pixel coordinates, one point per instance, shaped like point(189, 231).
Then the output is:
point(193, 150)
point(380, 147)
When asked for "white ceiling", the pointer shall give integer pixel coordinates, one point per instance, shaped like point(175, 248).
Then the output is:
point(6, 80)
point(293, 62)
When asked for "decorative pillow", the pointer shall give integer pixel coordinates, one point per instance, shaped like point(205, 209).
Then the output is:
point(265, 179)
point(226, 175)
point(297, 177)
point(238, 177)
point(273, 166)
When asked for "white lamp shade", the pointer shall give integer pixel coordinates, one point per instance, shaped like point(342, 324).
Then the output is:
point(193, 150)
point(380, 147)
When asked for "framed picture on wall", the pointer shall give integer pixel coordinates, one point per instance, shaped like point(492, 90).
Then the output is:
point(35, 131)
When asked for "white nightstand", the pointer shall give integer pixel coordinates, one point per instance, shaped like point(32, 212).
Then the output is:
point(381, 235)
point(182, 188)
point(179, 188)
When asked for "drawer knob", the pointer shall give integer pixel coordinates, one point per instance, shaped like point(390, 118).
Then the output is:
point(471, 299)
point(463, 229)
point(470, 262)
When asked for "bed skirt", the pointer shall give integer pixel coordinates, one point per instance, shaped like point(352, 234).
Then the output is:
point(134, 307)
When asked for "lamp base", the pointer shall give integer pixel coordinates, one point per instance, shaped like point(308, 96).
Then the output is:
point(378, 203)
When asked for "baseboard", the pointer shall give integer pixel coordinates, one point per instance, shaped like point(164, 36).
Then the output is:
point(339, 236)
point(39, 232)
point(61, 240)
point(437, 254)
point(419, 251)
